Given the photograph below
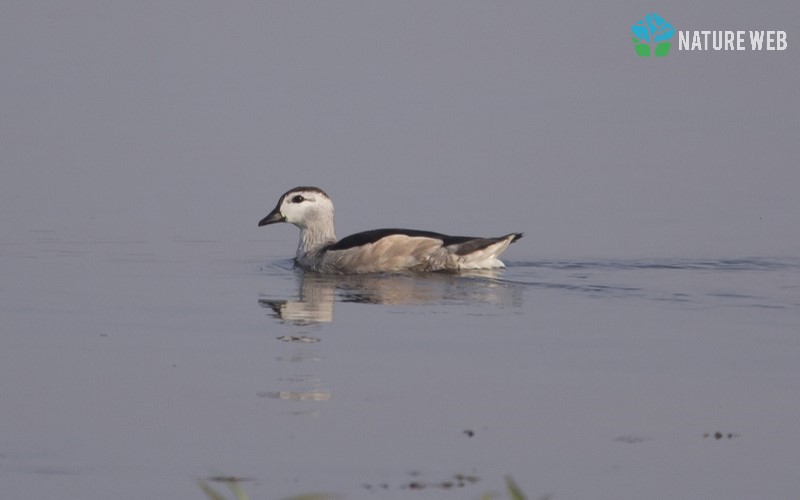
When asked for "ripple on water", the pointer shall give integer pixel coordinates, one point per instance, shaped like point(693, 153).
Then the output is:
point(740, 264)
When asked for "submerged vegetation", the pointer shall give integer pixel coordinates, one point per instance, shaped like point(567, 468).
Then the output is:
point(233, 483)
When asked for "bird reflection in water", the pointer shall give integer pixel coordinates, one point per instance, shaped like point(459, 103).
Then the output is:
point(317, 293)
point(314, 305)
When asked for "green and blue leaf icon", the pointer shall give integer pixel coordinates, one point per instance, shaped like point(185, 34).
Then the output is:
point(651, 36)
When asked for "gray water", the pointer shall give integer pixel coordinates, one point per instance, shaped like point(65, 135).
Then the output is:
point(643, 341)
point(130, 368)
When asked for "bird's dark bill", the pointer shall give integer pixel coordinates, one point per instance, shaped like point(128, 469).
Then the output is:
point(272, 218)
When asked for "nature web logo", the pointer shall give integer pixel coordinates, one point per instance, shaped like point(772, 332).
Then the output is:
point(651, 36)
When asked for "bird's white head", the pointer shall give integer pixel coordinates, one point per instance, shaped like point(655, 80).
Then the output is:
point(305, 207)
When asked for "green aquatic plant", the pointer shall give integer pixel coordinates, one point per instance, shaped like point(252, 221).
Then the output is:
point(513, 490)
point(231, 482)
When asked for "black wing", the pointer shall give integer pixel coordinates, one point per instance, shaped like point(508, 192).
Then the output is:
point(367, 237)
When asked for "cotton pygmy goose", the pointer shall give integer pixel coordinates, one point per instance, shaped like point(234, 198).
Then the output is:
point(379, 250)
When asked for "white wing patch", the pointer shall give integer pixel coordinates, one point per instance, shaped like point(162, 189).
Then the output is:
point(402, 252)
point(391, 253)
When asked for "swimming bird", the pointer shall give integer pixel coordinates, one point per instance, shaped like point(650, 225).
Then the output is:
point(379, 250)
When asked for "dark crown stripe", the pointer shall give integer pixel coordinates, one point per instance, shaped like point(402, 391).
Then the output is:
point(304, 189)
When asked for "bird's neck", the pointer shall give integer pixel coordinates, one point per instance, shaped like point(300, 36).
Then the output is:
point(314, 237)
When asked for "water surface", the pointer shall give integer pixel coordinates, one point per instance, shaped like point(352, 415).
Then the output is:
point(130, 368)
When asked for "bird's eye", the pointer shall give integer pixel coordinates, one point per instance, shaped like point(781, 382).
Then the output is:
point(298, 199)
